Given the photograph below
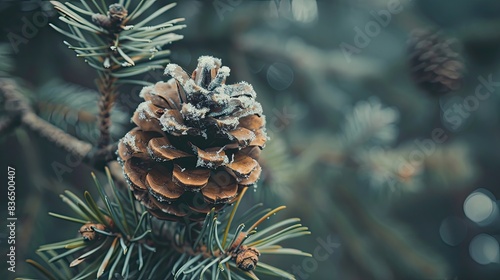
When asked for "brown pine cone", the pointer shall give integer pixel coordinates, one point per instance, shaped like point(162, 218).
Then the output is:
point(247, 258)
point(112, 22)
point(89, 234)
point(197, 142)
point(435, 66)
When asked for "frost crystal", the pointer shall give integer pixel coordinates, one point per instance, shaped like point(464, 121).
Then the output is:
point(228, 123)
point(190, 112)
point(208, 62)
point(222, 74)
point(204, 134)
point(191, 87)
point(129, 139)
point(144, 111)
point(146, 90)
point(170, 124)
point(170, 69)
point(202, 163)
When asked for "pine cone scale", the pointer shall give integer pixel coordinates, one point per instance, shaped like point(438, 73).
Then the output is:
point(160, 149)
point(159, 181)
point(212, 157)
point(252, 122)
point(165, 210)
point(146, 117)
point(243, 135)
point(218, 192)
point(194, 179)
point(259, 140)
point(243, 164)
point(135, 174)
point(252, 151)
point(252, 178)
point(135, 144)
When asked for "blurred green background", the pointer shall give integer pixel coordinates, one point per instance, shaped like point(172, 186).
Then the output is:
point(353, 151)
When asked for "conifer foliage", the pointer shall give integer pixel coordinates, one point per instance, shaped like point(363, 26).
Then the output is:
point(188, 163)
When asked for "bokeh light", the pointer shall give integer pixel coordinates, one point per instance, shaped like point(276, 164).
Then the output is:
point(484, 249)
point(453, 231)
point(480, 207)
point(304, 11)
point(279, 76)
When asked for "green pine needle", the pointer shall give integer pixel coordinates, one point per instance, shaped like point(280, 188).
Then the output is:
point(131, 246)
point(113, 47)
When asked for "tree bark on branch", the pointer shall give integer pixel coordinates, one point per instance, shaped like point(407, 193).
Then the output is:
point(19, 112)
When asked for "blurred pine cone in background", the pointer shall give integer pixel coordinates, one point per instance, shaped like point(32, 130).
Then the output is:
point(435, 66)
point(197, 142)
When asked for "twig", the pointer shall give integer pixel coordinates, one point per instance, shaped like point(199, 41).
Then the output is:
point(99, 157)
point(55, 135)
point(17, 105)
point(106, 85)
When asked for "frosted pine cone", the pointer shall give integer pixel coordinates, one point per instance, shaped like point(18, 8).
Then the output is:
point(436, 67)
point(196, 143)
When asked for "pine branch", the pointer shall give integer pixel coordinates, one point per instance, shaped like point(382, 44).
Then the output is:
point(17, 105)
point(30, 120)
point(106, 101)
point(119, 237)
point(55, 135)
point(115, 50)
point(122, 239)
point(74, 109)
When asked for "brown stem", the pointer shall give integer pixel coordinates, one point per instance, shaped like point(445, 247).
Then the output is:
point(106, 85)
point(13, 107)
point(55, 135)
point(18, 107)
point(16, 103)
point(98, 158)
